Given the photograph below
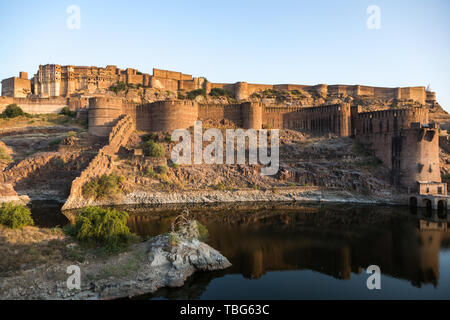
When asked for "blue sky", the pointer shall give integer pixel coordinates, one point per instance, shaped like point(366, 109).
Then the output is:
point(304, 42)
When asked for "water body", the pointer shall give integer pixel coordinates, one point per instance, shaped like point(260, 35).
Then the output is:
point(300, 251)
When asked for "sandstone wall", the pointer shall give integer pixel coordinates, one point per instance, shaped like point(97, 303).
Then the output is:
point(416, 156)
point(102, 163)
point(398, 138)
point(103, 113)
point(35, 105)
point(166, 115)
point(388, 120)
point(16, 87)
point(321, 120)
point(171, 75)
point(243, 90)
point(273, 116)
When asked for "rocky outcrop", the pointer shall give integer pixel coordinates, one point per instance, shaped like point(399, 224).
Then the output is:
point(143, 269)
point(8, 194)
point(102, 163)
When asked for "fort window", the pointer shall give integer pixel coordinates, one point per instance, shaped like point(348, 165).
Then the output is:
point(428, 190)
point(440, 190)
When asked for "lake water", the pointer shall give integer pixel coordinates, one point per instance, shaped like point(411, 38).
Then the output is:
point(300, 251)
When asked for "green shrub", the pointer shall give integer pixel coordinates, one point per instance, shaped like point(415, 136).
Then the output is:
point(5, 158)
point(445, 176)
point(168, 138)
point(150, 172)
point(150, 136)
point(154, 149)
point(219, 92)
point(162, 169)
point(101, 187)
point(220, 186)
point(101, 225)
point(15, 216)
point(181, 96)
point(203, 233)
point(298, 93)
point(12, 111)
point(191, 95)
point(71, 134)
point(66, 111)
point(174, 165)
point(120, 86)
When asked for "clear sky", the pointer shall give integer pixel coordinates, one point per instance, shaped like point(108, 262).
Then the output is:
point(303, 42)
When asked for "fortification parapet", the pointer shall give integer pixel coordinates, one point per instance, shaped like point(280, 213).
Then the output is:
point(416, 156)
point(252, 115)
point(321, 120)
point(166, 115)
point(388, 120)
point(103, 112)
point(241, 91)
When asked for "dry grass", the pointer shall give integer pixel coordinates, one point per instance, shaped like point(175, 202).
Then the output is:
point(25, 248)
point(43, 120)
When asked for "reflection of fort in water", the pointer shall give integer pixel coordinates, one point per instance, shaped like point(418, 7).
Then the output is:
point(331, 240)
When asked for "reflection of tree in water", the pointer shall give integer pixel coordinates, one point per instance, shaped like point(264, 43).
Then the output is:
point(334, 240)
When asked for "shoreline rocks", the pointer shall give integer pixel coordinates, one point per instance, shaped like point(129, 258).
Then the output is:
point(142, 269)
point(303, 194)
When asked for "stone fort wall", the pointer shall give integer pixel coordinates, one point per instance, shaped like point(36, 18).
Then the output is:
point(35, 105)
point(403, 141)
point(54, 80)
point(400, 138)
point(243, 90)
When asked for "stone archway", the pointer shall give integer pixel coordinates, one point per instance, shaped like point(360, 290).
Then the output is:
point(442, 208)
point(427, 206)
point(426, 203)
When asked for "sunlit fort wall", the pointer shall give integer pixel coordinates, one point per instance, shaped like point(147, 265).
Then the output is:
point(404, 141)
point(400, 138)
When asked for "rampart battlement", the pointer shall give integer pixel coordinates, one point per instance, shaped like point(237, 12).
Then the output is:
point(55, 80)
point(386, 121)
point(392, 113)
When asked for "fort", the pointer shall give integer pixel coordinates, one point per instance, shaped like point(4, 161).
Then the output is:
point(402, 138)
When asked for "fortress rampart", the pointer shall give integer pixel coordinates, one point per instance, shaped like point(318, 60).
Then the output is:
point(243, 90)
point(400, 138)
point(54, 80)
point(324, 119)
point(35, 105)
point(103, 112)
point(403, 141)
